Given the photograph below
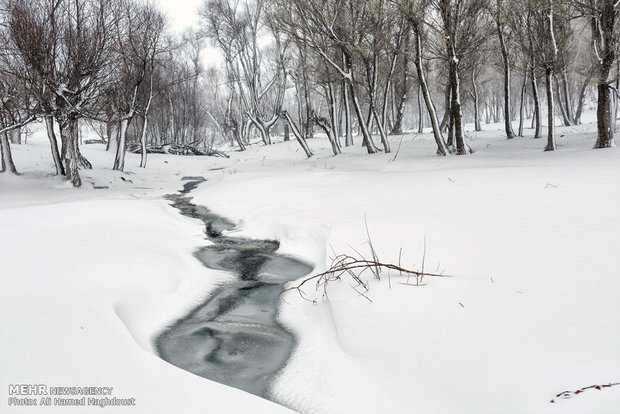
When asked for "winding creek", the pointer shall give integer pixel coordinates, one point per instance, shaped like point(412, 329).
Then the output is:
point(233, 337)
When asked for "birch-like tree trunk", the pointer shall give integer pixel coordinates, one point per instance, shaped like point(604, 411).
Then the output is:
point(121, 148)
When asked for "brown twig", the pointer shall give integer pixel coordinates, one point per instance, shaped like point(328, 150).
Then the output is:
point(355, 266)
point(343, 263)
point(568, 394)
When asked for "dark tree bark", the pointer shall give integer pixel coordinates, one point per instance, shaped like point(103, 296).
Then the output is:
point(69, 136)
point(420, 113)
point(550, 110)
point(456, 109)
point(581, 98)
point(535, 95)
point(522, 104)
point(565, 119)
point(447, 99)
point(566, 95)
point(499, 21)
point(298, 136)
point(474, 95)
point(348, 130)
point(605, 40)
point(7, 157)
point(441, 146)
point(49, 125)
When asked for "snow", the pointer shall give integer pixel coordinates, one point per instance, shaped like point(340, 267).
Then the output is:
point(529, 238)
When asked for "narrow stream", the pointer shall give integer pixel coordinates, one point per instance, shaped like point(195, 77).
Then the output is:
point(233, 337)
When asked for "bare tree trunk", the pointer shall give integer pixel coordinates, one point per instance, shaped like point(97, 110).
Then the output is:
point(246, 126)
point(603, 116)
point(69, 137)
point(112, 134)
point(286, 133)
point(333, 115)
point(384, 141)
point(143, 140)
point(522, 103)
point(420, 113)
point(451, 130)
point(447, 97)
point(401, 99)
point(537, 121)
point(327, 127)
point(237, 136)
point(261, 129)
point(581, 99)
point(456, 109)
point(477, 126)
point(7, 157)
point(386, 94)
point(347, 114)
point(49, 125)
point(550, 109)
point(507, 104)
point(441, 146)
point(368, 143)
point(615, 101)
point(146, 122)
point(119, 160)
point(298, 136)
point(563, 112)
point(567, 101)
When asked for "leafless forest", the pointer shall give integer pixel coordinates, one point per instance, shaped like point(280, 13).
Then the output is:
point(353, 71)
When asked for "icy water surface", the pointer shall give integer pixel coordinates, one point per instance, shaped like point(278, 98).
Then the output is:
point(233, 337)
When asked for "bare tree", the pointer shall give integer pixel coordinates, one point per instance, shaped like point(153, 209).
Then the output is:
point(236, 27)
point(459, 22)
point(415, 13)
point(335, 31)
point(71, 66)
point(16, 110)
point(136, 45)
point(499, 15)
point(604, 25)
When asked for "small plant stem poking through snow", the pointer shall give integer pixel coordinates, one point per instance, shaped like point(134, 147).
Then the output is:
point(569, 394)
point(354, 266)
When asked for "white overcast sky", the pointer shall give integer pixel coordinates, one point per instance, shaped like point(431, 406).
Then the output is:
point(181, 13)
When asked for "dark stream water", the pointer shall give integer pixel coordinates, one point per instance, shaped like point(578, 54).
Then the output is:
point(233, 337)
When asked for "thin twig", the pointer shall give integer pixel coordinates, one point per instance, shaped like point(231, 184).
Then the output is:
point(398, 149)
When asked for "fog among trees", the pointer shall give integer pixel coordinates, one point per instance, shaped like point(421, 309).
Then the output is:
point(351, 71)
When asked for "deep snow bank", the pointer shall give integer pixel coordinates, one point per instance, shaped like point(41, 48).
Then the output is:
point(531, 237)
point(89, 276)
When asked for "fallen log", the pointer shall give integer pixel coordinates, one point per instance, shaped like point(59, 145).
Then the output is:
point(175, 149)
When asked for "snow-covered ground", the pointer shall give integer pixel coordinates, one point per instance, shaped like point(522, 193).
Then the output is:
point(531, 241)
